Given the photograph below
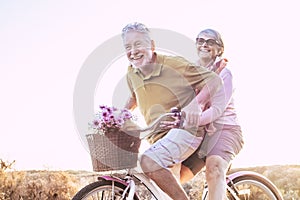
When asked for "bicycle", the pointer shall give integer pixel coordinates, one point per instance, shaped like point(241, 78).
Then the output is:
point(133, 184)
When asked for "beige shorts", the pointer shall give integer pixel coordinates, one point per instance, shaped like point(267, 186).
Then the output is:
point(176, 146)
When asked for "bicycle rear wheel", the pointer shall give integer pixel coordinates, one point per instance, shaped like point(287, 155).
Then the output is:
point(251, 186)
point(102, 190)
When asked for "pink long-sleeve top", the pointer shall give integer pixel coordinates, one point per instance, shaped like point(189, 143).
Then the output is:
point(218, 112)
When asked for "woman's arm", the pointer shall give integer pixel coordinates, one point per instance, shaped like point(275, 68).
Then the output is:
point(219, 101)
point(194, 109)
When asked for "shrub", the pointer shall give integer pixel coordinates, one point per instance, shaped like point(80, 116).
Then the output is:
point(38, 185)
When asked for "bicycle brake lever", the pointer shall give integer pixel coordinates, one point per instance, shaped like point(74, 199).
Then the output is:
point(180, 114)
point(176, 111)
point(182, 118)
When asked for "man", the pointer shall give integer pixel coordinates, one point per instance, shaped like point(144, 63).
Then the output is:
point(158, 83)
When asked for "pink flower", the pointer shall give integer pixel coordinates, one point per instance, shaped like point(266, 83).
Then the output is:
point(109, 118)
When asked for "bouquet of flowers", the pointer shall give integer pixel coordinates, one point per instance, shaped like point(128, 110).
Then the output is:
point(113, 140)
point(109, 119)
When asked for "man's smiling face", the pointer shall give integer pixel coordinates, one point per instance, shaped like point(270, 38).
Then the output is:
point(139, 48)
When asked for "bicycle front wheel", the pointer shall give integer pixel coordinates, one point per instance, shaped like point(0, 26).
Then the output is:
point(102, 190)
point(248, 187)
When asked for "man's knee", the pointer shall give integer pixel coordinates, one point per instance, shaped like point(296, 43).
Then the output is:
point(145, 161)
point(148, 165)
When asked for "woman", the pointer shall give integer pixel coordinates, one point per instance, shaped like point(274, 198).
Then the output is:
point(223, 140)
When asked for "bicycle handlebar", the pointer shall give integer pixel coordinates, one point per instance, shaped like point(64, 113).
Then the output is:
point(175, 112)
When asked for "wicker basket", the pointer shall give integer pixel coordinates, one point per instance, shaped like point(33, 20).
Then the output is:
point(114, 150)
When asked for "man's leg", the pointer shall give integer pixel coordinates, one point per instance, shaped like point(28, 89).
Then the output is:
point(176, 171)
point(163, 178)
point(167, 152)
point(216, 168)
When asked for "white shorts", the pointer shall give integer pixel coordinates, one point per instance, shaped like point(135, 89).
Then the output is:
point(176, 146)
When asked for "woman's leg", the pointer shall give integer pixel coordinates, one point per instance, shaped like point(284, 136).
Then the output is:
point(190, 167)
point(216, 169)
point(185, 174)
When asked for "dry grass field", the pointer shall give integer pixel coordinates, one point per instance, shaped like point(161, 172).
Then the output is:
point(62, 185)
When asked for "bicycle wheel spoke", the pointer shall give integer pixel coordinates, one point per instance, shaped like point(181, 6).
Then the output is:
point(251, 187)
point(254, 190)
point(102, 190)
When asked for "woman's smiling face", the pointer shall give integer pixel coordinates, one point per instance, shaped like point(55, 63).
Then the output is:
point(207, 46)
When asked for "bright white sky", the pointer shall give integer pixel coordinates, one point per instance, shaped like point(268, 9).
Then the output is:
point(43, 45)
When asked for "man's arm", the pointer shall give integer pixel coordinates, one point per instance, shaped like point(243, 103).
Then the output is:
point(193, 111)
point(131, 103)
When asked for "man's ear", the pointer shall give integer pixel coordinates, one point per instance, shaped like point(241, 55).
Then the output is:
point(152, 45)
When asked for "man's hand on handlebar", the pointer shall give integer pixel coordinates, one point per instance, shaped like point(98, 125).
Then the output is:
point(171, 124)
point(188, 117)
point(176, 123)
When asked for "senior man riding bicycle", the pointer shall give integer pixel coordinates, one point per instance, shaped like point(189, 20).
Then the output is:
point(158, 83)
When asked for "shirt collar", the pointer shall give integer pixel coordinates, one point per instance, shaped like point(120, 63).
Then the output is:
point(157, 68)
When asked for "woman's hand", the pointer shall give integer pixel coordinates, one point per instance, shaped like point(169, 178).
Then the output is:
point(221, 65)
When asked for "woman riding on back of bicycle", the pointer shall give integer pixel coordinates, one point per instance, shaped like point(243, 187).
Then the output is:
point(223, 140)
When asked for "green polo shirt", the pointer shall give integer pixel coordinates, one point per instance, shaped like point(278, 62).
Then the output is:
point(171, 84)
